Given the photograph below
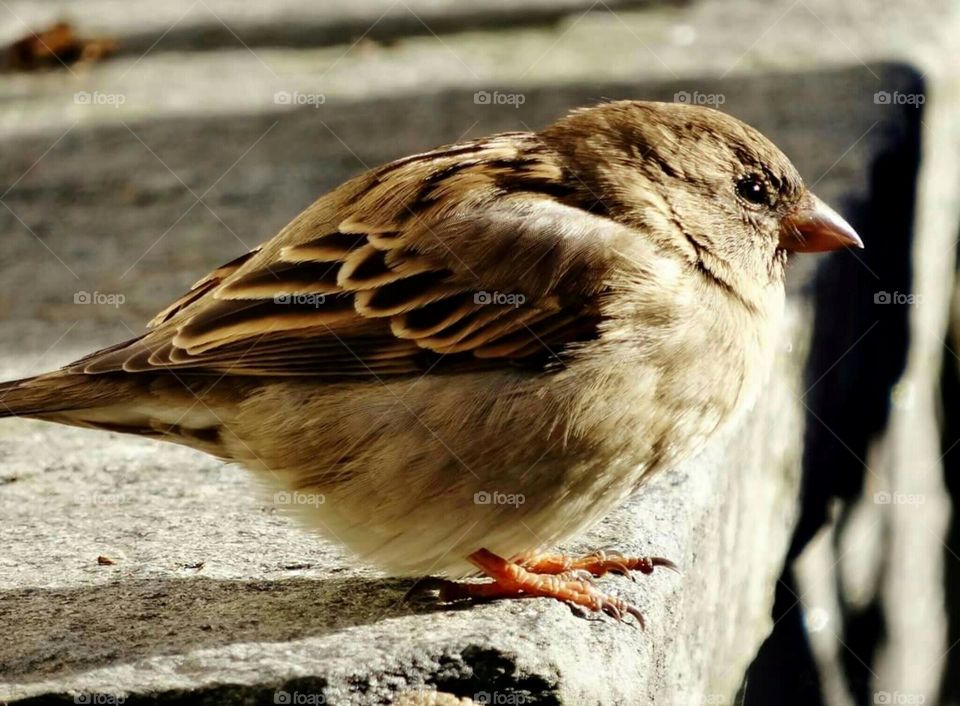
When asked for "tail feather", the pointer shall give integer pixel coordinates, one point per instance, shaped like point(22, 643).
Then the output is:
point(162, 408)
point(56, 392)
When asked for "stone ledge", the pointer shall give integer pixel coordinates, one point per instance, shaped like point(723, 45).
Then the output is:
point(185, 25)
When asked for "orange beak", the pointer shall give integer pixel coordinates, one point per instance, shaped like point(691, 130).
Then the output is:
point(815, 227)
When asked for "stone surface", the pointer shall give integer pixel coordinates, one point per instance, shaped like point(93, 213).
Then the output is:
point(204, 24)
point(211, 595)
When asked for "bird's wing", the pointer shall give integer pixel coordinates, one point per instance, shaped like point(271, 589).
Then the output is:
point(474, 254)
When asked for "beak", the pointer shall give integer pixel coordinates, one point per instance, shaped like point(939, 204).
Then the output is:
point(815, 227)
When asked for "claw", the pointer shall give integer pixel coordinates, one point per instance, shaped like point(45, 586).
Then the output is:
point(568, 579)
point(665, 563)
point(617, 567)
point(519, 580)
point(611, 610)
point(638, 616)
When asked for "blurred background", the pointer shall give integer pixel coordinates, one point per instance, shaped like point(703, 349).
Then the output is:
point(142, 144)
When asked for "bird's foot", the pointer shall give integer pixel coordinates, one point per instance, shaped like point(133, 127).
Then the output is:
point(511, 579)
point(596, 563)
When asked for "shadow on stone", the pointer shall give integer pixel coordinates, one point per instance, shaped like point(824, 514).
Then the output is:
point(60, 632)
point(858, 352)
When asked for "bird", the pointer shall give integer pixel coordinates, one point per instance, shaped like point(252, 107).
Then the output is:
point(459, 360)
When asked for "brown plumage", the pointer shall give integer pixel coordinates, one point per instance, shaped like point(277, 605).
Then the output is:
point(546, 317)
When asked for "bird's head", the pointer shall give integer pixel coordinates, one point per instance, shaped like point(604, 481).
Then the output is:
point(700, 183)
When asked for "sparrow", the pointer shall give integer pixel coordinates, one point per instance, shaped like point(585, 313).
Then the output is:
point(458, 360)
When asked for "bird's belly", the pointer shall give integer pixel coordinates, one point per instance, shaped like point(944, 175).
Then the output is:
point(425, 527)
point(409, 490)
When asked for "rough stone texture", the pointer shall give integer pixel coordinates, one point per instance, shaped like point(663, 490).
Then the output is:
point(205, 24)
point(213, 597)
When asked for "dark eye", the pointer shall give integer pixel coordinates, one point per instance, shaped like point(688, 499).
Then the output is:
point(753, 189)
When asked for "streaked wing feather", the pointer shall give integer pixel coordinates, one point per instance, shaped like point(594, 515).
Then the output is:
point(204, 286)
point(472, 251)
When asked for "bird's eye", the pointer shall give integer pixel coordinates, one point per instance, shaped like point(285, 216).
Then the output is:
point(753, 189)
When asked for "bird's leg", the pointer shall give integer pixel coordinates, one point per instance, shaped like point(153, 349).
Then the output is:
point(511, 580)
point(595, 564)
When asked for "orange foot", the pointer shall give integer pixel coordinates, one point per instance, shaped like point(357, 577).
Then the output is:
point(552, 576)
